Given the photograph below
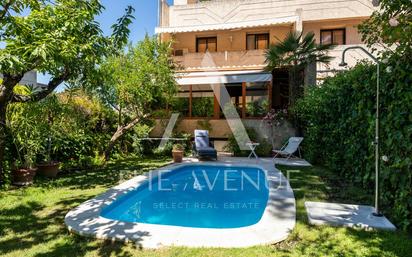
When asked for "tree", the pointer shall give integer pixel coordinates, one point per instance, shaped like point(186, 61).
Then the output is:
point(135, 83)
point(391, 26)
point(16, 6)
point(296, 52)
point(60, 38)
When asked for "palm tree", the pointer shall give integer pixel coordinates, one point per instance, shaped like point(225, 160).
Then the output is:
point(296, 52)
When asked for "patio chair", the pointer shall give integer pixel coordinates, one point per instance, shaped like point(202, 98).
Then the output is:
point(289, 148)
point(202, 147)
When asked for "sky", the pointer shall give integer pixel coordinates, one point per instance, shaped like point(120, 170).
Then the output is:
point(145, 20)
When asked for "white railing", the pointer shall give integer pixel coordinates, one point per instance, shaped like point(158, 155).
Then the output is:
point(255, 59)
point(225, 59)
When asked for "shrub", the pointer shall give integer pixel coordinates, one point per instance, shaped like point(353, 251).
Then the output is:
point(82, 126)
point(25, 133)
point(152, 147)
point(71, 128)
point(338, 119)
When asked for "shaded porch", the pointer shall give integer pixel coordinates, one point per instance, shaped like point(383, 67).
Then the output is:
point(252, 93)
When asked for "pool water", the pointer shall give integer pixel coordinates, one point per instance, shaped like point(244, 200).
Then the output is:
point(202, 196)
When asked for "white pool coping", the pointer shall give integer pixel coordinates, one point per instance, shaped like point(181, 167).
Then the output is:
point(277, 221)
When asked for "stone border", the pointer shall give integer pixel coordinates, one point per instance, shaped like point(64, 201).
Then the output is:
point(277, 221)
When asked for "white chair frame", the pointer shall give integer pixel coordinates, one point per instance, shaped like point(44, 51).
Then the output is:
point(289, 155)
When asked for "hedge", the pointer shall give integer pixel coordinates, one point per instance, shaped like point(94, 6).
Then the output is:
point(338, 123)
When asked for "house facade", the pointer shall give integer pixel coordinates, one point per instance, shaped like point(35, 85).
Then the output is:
point(224, 42)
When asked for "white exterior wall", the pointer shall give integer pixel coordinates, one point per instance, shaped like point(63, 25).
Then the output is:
point(30, 78)
point(313, 16)
point(179, 2)
point(225, 11)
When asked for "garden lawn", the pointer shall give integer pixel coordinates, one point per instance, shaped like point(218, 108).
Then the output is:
point(32, 219)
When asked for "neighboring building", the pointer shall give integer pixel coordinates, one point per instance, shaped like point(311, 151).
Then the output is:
point(236, 33)
point(29, 79)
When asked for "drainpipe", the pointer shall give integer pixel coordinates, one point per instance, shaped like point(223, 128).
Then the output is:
point(299, 21)
point(310, 71)
point(159, 12)
point(159, 16)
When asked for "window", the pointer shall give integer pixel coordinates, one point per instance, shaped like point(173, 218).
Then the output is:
point(235, 98)
point(204, 44)
point(333, 37)
point(257, 41)
point(203, 100)
point(257, 99)
point(178, 52)
point(196, 101)
point(250, 100)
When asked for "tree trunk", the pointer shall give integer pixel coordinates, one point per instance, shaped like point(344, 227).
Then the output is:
point(310, 74)
point(6, 95)
point(3, 137)
point(293, 84)
point(296, 81)
point(121, 130)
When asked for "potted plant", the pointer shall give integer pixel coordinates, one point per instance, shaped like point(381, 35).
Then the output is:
point(177, 152)
point(23, 171)
point(25, 131)
point(48, 168)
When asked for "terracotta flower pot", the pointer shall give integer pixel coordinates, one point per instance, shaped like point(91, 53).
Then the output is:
point(177, 156)
point(49, 170)
point(23, 177)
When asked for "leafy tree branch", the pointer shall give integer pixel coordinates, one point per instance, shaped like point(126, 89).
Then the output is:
point(135, 83)
point(61, 38)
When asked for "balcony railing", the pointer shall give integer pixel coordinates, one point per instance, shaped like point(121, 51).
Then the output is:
point(251, 59)
point(255, 59)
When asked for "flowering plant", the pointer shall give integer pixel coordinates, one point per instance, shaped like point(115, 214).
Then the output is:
point(275, 117)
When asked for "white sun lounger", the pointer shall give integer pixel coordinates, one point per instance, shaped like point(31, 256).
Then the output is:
point(289, 148)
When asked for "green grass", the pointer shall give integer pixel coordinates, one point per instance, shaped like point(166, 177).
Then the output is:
point(31, 219)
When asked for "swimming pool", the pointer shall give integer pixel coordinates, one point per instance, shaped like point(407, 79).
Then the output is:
point(234, 202)
point(201, 196)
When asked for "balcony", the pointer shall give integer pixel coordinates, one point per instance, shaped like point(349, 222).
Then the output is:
point(227, 60)
point(255, 59)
